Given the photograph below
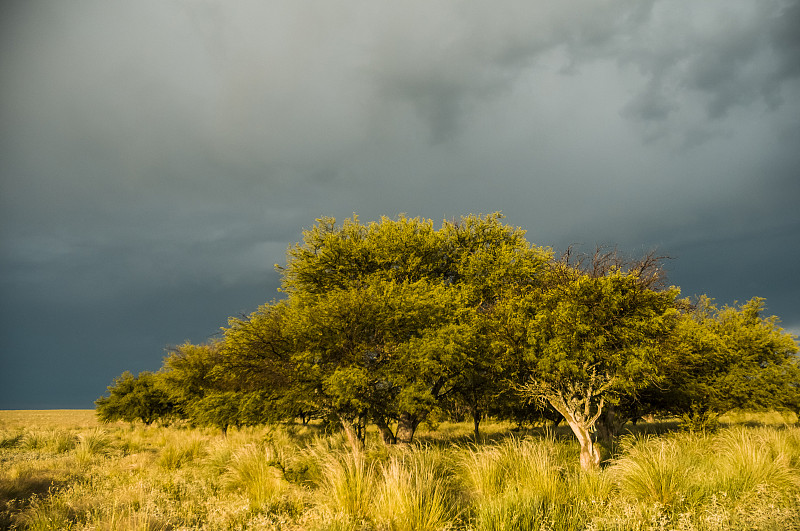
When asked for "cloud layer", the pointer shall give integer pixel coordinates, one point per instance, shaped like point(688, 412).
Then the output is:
point(158, 158)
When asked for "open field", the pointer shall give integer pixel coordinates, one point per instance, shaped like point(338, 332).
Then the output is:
point(63, 470)
point(48, 419)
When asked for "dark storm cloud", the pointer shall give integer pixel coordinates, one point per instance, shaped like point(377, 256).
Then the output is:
point(445, 60)
point(724, 54)
point(159, 157)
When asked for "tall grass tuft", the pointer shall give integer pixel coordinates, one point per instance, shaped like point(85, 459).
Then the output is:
point(349, 485)
point(93, 443)
point(49, 514)
point(748, 461)
point(521, 484)
point(316, 452)
point(218, 456)
point(251, 470)
point(54, 441)
point(657, 471)
point(10, 440)
point(177, 453)
point(785, 441)
point(419, 492)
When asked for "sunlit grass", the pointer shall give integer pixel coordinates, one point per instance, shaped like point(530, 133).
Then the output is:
point(751, 459)
point(761, 418)
point(662, 471)
point(55, 441)
point(180, 451)
point(48, 418)
point(419, 491)
point(122, 477)
point(348, 486)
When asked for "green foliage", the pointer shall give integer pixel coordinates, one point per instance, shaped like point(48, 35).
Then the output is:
point(259, 355)
point(384, 320)
point(189, 372)
point(589, 335)
point(602, 331)
point(396, 323)
point(727, 358)
point(134, 398)
point(700, 419)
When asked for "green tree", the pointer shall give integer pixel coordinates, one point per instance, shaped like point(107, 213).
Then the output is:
point(342, 256)
point(727, 358)
point(133, 398)
point(378, 353)
point(412, 297)
point(507, 330)
point(491, 262)
point(212, 384)
point(189, 372)
point(592, 334)
point(260, 355)
point(200, 388)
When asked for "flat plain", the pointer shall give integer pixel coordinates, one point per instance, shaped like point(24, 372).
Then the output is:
point(61, 469)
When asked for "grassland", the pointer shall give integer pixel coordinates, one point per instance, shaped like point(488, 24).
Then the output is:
point(63, 470)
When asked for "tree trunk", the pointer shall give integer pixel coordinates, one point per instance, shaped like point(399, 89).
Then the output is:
point(406, 426)
point(387, 436)
point(609, 425)
point(580, 425)
point(476, 421)
point(590, 457)
point(575, 403)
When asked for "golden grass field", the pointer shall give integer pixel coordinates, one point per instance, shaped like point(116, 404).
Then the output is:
point(48, 419)
point(61, 469)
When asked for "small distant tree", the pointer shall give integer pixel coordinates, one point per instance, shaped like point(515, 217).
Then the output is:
point(211, 386)
point(134, 398)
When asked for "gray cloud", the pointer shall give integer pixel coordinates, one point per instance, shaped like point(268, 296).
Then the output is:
point(714, 56)
point(158, 158)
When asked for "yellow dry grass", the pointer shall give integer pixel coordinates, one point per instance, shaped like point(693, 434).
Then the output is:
point(48, 418)
point(61, 469)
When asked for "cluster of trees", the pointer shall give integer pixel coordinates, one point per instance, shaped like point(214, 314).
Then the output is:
point(394, 323)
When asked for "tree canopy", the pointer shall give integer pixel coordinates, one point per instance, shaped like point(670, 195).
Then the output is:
point(135, 398)
point(388, 322)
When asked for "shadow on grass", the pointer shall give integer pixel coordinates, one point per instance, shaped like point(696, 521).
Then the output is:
point(17, 492)
point(455, 434)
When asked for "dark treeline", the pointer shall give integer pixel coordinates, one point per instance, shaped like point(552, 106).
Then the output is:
point(395, 322)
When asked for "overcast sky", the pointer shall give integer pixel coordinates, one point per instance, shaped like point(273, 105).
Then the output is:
point(158, 157)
